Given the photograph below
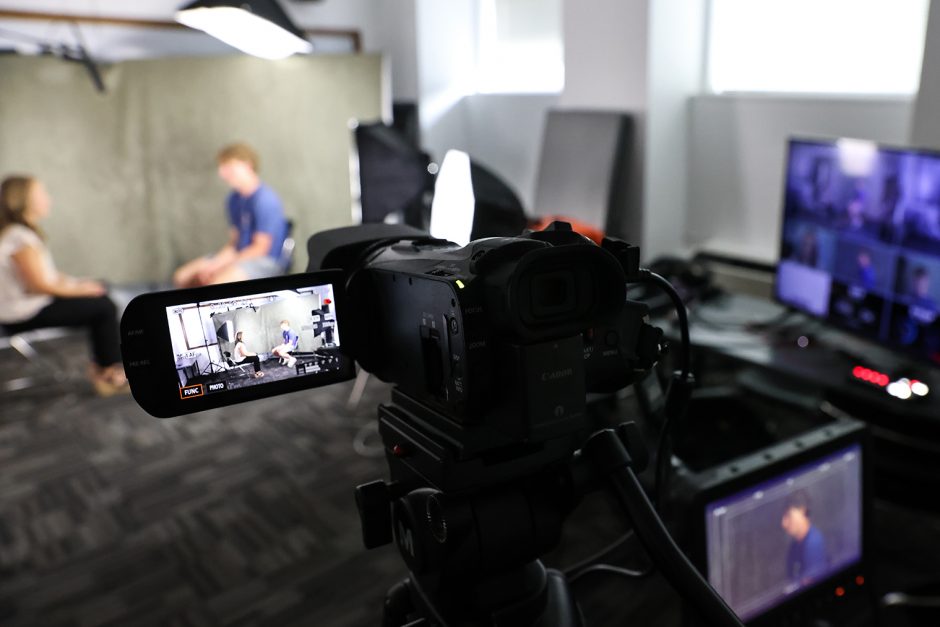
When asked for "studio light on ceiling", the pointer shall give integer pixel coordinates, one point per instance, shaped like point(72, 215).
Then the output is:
point(260, 28)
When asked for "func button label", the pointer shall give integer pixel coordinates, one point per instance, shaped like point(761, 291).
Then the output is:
point(191, 391)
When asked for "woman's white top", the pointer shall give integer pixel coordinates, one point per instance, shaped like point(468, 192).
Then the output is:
point(16, 303)
point(239, 356)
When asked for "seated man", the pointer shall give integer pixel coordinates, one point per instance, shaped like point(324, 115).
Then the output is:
point(283, 350)
point(807, 558)
point(257, 227)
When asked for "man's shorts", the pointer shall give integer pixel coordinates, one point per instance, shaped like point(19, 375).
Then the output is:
point(260, 267)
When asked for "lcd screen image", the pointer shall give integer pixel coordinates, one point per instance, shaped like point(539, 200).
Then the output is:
point(228, 344)
point(774, 539)
point(861, 241)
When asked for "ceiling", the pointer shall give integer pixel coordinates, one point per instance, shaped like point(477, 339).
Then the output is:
point(150, 9)
point(115, 43)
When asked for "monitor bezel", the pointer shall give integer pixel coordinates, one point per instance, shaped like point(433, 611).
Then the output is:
point(781, 243)
point(738, 475)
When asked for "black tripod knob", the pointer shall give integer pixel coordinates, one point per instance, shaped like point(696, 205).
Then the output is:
point(375, 513)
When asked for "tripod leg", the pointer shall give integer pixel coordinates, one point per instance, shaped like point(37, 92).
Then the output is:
point(561, 609)
point(398, 605)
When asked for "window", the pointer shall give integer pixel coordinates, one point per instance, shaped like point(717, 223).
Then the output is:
point(817, 46)
point(520, 47)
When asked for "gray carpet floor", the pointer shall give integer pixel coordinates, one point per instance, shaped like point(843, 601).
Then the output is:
point(237, 516)
point(245, 516)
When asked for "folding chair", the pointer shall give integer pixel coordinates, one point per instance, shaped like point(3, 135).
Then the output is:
point(22, 343)
point(232, 366)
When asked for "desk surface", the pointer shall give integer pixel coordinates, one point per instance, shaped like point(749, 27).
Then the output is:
point(823, 360)
point(185, 362)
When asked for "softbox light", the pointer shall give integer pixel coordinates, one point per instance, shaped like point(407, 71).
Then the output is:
point(260, 28)
point(226, 331)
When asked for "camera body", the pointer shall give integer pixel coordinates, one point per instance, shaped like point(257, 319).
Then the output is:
point(503, 337)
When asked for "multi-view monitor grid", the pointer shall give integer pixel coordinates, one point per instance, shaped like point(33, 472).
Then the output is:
point(226, 344)
point(861, 241)
point(766, 543)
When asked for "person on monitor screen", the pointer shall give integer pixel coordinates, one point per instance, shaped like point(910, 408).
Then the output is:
point(257, 227)
point(806, 558)
point(289, 344)
point(241, 354)
point(920, 281)
point(813, 193)
point(866, 273)
point(916, 326)
point(855, 220)
point(807, 253)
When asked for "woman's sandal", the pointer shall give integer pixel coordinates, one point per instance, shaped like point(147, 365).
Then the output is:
point(105, 388)
point(109, 381)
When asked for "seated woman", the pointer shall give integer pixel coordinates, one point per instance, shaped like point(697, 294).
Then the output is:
point(241, 354)
point(289, 344)
point(34, 295)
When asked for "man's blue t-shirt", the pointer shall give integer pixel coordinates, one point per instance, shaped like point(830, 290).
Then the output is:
point(866, 276)
point(261, 212)
point(807, 559)
point(290, 337)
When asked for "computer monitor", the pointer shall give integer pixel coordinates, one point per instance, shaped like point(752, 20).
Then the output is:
point(860, 241)
point(781, 531)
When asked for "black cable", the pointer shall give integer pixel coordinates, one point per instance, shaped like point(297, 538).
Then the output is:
point(665, 554)
point(685, 356)
point(611, 570)
point(675, 409)
point(663, 462)
point(607, 550)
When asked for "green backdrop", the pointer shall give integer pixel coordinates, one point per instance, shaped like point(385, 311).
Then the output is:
point(132, 172)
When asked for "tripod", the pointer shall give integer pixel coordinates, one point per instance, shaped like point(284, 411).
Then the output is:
point(210, 367)
point(471, 525)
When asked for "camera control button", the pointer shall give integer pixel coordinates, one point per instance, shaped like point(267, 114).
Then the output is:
point(135, 362)
point(452, 326)
point(612, 339)
point(192, 391)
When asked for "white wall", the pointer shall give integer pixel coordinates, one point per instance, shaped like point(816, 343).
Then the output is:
point(676, 44)
point(446, 53)
point(506, 136)
point(395, 36)
point(925, 126)
point(736, 160)
point(605, 54)
point(604, 69)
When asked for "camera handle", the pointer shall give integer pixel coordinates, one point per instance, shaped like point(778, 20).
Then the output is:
point(610, 459)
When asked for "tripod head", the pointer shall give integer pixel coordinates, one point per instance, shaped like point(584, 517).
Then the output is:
point(472, 550)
